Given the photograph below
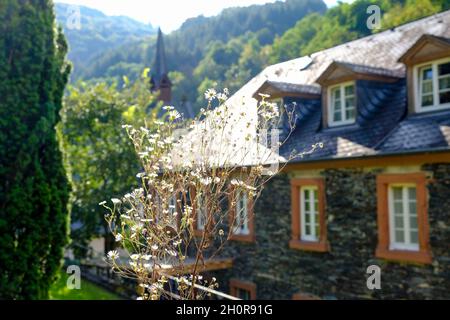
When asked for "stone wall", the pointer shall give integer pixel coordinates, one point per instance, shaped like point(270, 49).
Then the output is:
point(351, 210)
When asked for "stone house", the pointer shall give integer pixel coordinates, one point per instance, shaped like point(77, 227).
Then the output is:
point(378, 192)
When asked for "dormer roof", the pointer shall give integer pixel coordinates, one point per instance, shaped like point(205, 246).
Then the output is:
point(344, 71)
point(427, 47)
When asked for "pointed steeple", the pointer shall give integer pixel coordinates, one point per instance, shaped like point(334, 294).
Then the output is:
point(159, 75)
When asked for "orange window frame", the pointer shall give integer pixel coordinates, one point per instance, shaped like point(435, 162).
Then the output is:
point(383, 251)
point(296, 242)
point(236, 284)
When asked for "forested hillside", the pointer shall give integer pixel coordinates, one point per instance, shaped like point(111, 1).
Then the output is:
point(229, 49)
point(98, 34)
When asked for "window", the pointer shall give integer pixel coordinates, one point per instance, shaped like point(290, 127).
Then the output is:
point(241, 216)
point(174, 211)
point(403, 226)
point(402, 218)
point(308, 215)
point(342, 102)
point(433, 86)
point(242, 289)
point(200, 212)
point(201, 215)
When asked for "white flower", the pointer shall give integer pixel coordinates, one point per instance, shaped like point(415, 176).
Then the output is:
point(210, 94)
point(116, 201)
point(147, 257)
point(134, 257)
point(206, 181)
point(216, 180)
point(155, 247)
point(102, 203)
point(119, 237)
point(174, 115)
point(168, 108)
point(113, 255)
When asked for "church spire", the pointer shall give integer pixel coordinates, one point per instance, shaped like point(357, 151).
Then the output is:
point(159, 75)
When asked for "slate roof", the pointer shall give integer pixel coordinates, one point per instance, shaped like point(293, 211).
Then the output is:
point(382, 125)
point(380, 107)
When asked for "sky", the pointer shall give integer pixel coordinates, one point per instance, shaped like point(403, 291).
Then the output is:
point(168, 14)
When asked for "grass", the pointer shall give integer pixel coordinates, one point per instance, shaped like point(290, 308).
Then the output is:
point(88, 291)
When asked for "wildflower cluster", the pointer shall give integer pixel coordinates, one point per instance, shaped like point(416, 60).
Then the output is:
point(192, 172)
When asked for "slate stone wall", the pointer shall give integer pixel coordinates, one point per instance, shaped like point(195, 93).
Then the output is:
point(351, 209)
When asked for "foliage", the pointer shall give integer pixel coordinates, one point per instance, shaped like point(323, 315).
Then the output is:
point(88, 291)
point(98, 153)
point(192, 48)
point(33, 186)
point(347, 22)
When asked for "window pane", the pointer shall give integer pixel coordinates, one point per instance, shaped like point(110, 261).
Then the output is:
point(444, 83)
point(444, 68)
point(337, 93)
point(350, 90)
point(350, 103)
point(412, 208)
point(413, 222)
point(397, 192)
point(398, 222)
point(337, 116)
point(444, 97)
point(427, 100)
point(307, 206)
point(307, 218)
point(306, 194)
point(337, 105)
point(398, 208)
point(414, 235)
point(399, 236)
point(350, 114)
point(307, 229)
point(426, 73)
point(412, 193)
point(427, 87)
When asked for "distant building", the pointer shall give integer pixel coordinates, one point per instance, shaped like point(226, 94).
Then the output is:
point(160, 82)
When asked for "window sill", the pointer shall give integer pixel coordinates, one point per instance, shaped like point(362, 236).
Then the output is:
point(322, 246)
point(242, 237)
point(421, 257)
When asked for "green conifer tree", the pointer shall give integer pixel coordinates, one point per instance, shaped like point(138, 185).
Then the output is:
point(33, 185)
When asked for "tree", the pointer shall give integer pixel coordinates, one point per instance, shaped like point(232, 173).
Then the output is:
point(98, 153)
point(33, 186)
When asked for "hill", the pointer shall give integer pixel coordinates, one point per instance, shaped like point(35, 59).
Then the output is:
point(98, 34)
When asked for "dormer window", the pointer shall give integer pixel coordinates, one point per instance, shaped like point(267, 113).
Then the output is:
point(428, 73)
point(433, 85)
point(342, 104)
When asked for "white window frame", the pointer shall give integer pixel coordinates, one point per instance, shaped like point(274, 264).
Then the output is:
point(313, 237)
point(406, 245)
point(344, 121)
point(418, 88)
point(241, 225)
